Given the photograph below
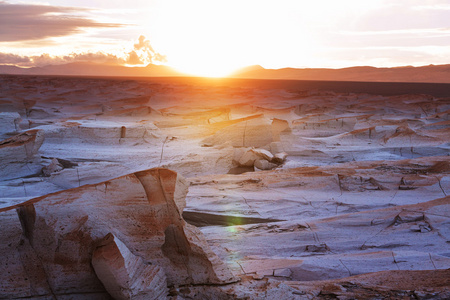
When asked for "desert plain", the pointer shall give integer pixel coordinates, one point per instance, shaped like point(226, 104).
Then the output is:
point(184, 188)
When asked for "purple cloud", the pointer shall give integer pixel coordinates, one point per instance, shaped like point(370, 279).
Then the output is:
point(20, 22)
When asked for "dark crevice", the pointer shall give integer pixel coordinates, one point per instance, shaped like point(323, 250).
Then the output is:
point(27, 217)
point(201, 219)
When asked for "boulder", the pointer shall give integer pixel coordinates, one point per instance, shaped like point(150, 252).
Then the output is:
point(248, 158)
point(238, 153)
point(279, 158)
point(263, 164)
point(264, 154)
point(54, 166)
point(74, 242)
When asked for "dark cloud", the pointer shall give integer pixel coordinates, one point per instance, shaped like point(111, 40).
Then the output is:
point(20, 22)
point(47, 59)
point(13, 59)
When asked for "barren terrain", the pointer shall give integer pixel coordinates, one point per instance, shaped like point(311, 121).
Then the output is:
point(298, 190)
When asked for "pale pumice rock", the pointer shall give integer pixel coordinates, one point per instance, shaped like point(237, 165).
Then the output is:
point(263, 164)
point(280, 158)
point(9, 122)
point(21, 147)
point(255, 132)
point(63, 230)
point(19, 154)
point(280, 125)
point(238, 152)
point(248, 158)
point(276, 147)
point(264, 154)
point(54, 166)
point(125, 275)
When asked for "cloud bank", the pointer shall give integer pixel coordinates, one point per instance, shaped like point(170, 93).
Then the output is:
point(142, 54)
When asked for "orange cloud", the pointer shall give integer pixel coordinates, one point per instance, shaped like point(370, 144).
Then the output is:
point(142, 54)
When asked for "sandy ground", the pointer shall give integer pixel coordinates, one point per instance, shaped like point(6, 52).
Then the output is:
point(364, 187)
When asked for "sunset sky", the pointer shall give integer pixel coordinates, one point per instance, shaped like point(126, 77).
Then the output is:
point(214, 37)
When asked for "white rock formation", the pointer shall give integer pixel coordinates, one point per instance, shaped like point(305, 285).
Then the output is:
point(125, 275)
point(54, 166)
point(58, 235)
point(19, 154)
point(255, 132)
point(9, 122)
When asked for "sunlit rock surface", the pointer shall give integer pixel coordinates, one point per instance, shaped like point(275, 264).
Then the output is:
point(96, 237)
point(301, 193)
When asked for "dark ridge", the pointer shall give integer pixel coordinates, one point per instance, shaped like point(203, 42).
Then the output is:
point(374, 88)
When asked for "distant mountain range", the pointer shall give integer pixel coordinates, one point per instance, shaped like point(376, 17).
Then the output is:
point(431, 73)
point(92, 69)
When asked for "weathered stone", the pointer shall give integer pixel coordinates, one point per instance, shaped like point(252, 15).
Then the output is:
point(21, 274)
point(64, 229)
point(248, 159)
point(238, 152)
point(21, 147)
point(276, 147)
point(283, 273)
point(18, 154)
point(263, 164)
point(278, 126)
point(255, 132)
point(264, 154)
point(125, 275)
point(9, 122)
point(279, 158)
point(54, 166)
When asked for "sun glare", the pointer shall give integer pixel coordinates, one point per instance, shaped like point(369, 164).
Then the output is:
point(214, 38)
point(209, 38)
point(206, 69)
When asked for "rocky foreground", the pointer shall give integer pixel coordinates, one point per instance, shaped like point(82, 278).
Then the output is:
point(132, 189)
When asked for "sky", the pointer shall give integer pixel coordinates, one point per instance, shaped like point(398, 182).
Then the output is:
point(216, 37)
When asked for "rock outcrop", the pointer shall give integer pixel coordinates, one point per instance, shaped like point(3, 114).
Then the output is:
point(124, 237)
point(259, 158)
point(125, 275)
point(18, 154)
point(255, 132)
point(9, 122)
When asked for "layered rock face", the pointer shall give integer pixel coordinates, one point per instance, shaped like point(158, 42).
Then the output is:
point(19, 154)
point(9, 122)
point(123, 238)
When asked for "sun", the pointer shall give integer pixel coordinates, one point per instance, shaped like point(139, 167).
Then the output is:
point(203, 67)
